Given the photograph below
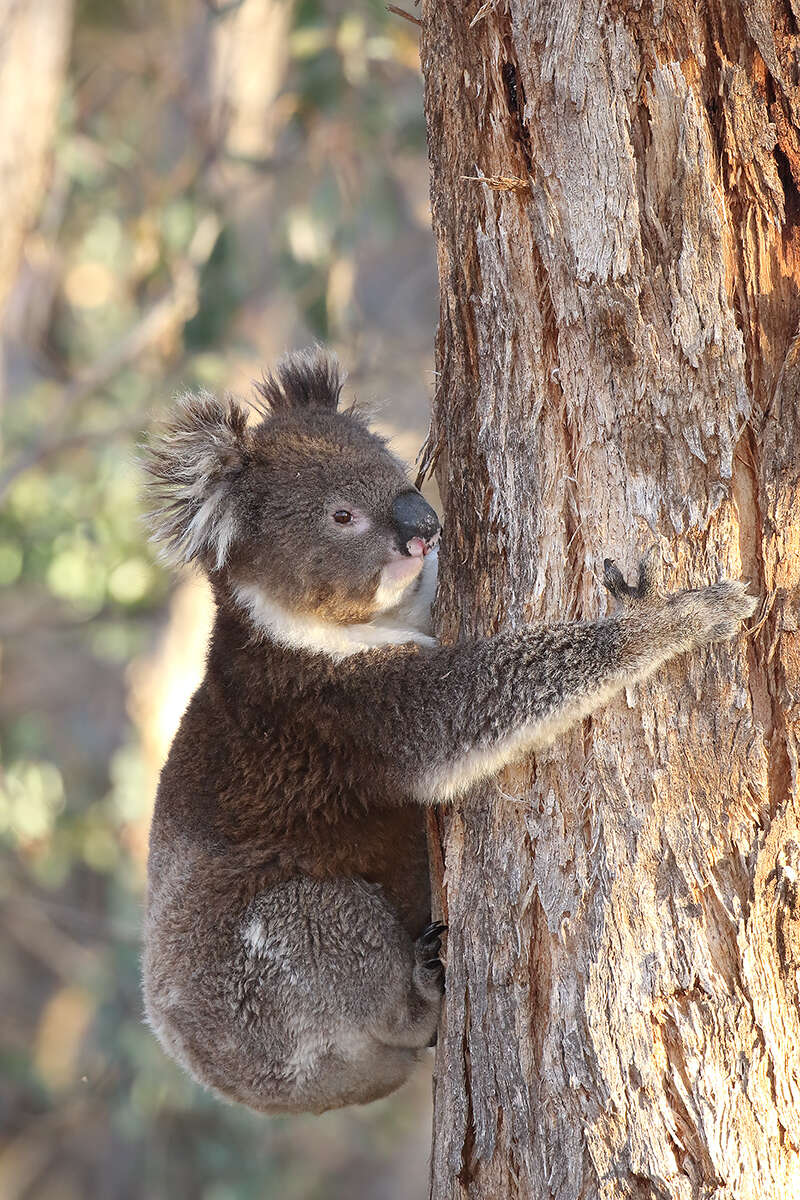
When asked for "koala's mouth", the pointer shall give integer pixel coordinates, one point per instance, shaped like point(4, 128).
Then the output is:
point(403, 570)
point(418, 547)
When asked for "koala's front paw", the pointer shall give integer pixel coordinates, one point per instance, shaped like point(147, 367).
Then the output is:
point(683, 620)
point(711, 614)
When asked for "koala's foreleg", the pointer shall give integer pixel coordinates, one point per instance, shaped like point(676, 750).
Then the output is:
point(465, 711)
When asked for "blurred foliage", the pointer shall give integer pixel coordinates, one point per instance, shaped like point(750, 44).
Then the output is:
point(158, 253)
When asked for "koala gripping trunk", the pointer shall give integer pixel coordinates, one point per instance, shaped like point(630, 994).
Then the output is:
point(615, 203)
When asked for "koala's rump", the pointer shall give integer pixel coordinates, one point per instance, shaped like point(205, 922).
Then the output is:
point(262, 1000)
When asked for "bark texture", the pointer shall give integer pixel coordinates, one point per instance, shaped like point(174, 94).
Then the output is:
point(617, 215)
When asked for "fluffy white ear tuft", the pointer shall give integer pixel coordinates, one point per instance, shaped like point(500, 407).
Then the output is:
point(194, 461)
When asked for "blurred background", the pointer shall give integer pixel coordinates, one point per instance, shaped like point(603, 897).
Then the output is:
point(188, 188)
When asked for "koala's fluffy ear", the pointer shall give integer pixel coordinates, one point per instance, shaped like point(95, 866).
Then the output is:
point(305, 379)
point(194, 462)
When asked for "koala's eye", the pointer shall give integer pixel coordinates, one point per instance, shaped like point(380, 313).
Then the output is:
point(342, 516)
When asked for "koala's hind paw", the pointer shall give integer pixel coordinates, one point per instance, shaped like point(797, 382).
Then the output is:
point(645, 588)
point(431, 973)
point(429, 969)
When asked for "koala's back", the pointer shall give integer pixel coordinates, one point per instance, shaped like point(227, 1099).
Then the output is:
point(260, 856)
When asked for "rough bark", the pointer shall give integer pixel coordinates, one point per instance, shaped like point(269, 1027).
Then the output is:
point(616, 208)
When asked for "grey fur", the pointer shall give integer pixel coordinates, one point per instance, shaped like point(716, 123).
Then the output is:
point(307, 379)
point(287, 961)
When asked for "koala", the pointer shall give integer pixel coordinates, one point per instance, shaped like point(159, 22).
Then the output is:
point(290, 961)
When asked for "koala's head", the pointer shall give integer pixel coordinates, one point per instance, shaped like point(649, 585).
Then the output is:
point(307, 505)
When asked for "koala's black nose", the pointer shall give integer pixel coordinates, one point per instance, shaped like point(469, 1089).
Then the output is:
point(413, 518)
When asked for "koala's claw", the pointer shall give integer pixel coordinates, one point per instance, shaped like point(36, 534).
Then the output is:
point(432, 933)
point(434, 965)
point(430, 967)
point(645, 588)
point(615, 580)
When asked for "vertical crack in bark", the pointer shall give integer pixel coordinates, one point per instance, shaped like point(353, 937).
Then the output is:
point(788, 172)
point(515, 98)
point(780, 767)
point(786, 901)
point(575, 548)
point(745, 488)
point(468, 1147)
point(541, 967)
point(763, 665)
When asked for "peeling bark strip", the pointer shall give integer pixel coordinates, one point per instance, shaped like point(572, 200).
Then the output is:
point(619, 363)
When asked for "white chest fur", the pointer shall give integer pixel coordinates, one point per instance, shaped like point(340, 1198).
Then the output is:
point(408, 621)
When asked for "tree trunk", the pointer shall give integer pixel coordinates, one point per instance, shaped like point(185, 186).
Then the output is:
point(616, 208)
point(34, 43)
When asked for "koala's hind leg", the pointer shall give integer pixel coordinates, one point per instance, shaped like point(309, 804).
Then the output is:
point(355, 998)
